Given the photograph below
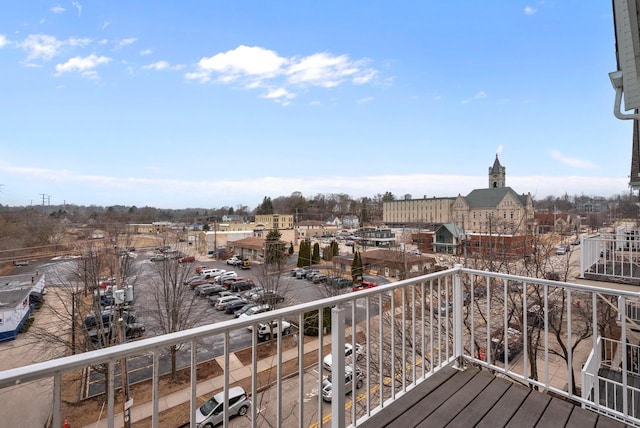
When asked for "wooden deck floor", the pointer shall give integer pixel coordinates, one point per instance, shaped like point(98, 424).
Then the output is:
point(475, 398)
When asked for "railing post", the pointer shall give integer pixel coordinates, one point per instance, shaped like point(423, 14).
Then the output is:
point(458, 298)
point(338, 367)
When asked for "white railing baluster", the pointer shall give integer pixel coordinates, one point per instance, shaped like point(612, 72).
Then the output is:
point(337, 367)
point(458, 347)
point(155, 394)
point(57, 399)
point(300, 343)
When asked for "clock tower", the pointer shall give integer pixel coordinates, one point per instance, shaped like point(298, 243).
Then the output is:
point(497, 175)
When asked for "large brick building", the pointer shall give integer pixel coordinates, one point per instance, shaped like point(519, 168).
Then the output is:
point(495, 209)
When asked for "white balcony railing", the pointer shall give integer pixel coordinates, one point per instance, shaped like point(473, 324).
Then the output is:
point(613, 257)
point(539, 332)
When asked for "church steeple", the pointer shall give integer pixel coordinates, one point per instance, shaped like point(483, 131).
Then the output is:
point(497, 175)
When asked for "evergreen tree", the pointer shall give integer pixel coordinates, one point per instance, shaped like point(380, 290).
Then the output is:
point(356, 267)
point(327, 253)
point(304, 255)
point(266, 207)
point(315, 258)
point(275, 249)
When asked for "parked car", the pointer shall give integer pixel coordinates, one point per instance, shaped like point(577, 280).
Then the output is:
point(255, 310)
point(270, 297)
point(244, 309)
point(208, 289)
point(211, 412)
point(554, 276)
point(234, 261)
point(246, 264)
point(198, 282)
point(339, 282)
point(211, 272)
point(242, 286)
point(563, 249)
point(264, 331)
point(364, 285)
point(513, 349)
point(221, 304)
point(249, 293)
point(213, 289)
point(309, 273)
point(327, 389)
point(201, 268)
point(232, 307)
point(158, 257)
point(317, 279)
point(225, 275)
point(230, 281)
point(348, 353)
point(187, 259)
point(190, 279)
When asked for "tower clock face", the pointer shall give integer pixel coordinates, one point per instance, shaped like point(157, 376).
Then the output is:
point(495, 176)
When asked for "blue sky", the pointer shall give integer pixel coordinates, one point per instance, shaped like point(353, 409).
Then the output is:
point(220, 103)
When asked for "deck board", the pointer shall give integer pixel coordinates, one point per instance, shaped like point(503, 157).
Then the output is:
point(557, 413)
point(505, 408)
point(461, 399)
point(474, 397)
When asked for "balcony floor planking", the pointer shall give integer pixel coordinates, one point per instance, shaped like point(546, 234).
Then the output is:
point(472, 397)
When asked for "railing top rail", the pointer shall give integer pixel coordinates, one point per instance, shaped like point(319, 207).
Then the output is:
point(572, 286)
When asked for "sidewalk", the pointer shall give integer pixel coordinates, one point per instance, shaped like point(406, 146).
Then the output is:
point(238, 371)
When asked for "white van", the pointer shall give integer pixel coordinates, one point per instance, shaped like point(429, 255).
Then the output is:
point(210, 413)
point(210, 273)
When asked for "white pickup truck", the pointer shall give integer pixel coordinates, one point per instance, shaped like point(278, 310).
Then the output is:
point(264, 331)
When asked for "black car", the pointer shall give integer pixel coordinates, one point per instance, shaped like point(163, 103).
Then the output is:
point(233, 306)
point(244, 309)
point(213, 289)
point(513, 349)
point(241, 286)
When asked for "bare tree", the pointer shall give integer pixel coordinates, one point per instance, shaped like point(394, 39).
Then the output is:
point(174, 306)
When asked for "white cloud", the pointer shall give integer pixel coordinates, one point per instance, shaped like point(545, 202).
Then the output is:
point(170, 191)
point(280, 95)
point(364, 100)
point(78, 6)
point(574, 162)
point(3, 40)
point(41, 47)
point(162, 65)
point(57, 9)
point(499, 149)
point(78, 42)
point(84, 66)
point(126, 42)
point(146, 52)
point(478, 96)
point(325, 70)
point(252, 67)
point(530, 10)
point(241, 62)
